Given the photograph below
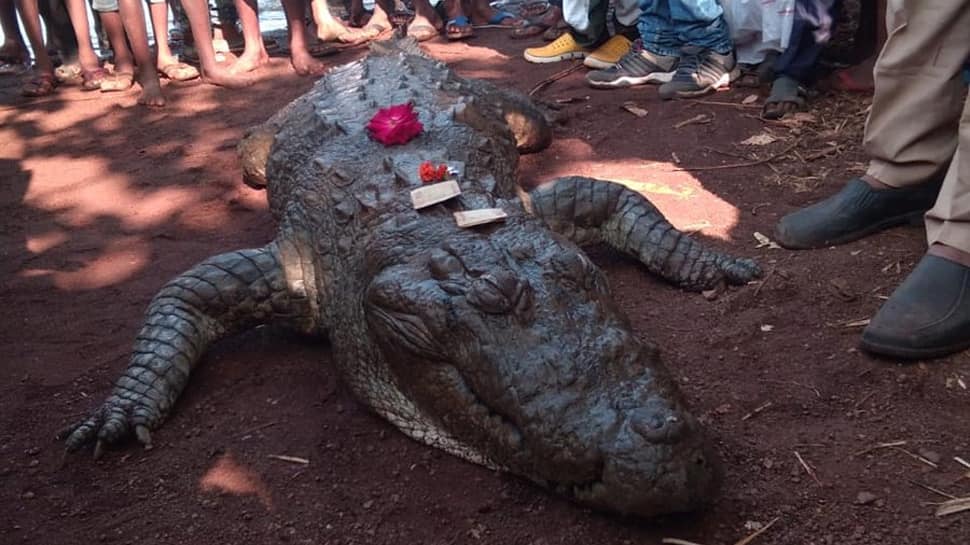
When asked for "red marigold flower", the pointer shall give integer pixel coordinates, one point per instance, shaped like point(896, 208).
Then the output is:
point(395, 125)
point(442, 173)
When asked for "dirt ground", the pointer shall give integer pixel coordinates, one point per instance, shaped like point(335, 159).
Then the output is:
point(103, 201)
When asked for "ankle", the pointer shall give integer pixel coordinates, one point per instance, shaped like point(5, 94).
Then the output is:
point(875, 183)
point(949, 253)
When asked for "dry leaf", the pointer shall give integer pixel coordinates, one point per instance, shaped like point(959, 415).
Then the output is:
point(765, 241)
point(762, 139)
point(766, 328)
point(952, 507)
point(634, 109)
point(700, 118)
point(750, 99)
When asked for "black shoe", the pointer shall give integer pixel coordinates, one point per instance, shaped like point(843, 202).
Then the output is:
point(928, 316)
point(637, 67)
point(699, 72)
point(855, 212)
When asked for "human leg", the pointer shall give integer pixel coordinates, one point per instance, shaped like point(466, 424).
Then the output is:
point(329, 29)
point(910, 133)
point(197, 12)
point(303, 62)
point(928, 316)
point(795, 66)
point(133, 19)
point(707, 55)
point(43, 82)
point(254, 52)
point(166, 62)
point(424, 26)
point(13, 51)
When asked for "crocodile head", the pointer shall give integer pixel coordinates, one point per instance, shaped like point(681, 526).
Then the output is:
point(513, 347)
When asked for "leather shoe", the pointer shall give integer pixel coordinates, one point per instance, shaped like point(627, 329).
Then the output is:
point(928, 316)
point(853, 213)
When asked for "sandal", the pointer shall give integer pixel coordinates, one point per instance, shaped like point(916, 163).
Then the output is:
point(459, 28)
point(119, 81)
point(91, 79)
point(69, 74)
point(503, 19)
point(787, 96)
point(178, 71)
point(41, 85)
point(534, 9)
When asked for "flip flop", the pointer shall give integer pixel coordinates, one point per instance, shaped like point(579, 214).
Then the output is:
point(91, 79)
point(459, 28)
point(178, 71)
point(41, 85)
point(422, 33)
point(119, 81)
point(787, 96)
point(499, 20)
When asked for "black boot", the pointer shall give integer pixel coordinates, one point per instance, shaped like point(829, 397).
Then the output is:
point(855, 212)
point(928, 316)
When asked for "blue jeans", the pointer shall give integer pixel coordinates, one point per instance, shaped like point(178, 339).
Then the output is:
point(810, 32)
point(668, 25)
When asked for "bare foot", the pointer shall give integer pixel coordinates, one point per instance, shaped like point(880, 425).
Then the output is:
point(222, 77)
point(248, 62)
point(305, 65)
point(332, 30)
point(151, 89)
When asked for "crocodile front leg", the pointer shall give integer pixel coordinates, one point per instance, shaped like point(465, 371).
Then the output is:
point(588, 211)
point(224, 294)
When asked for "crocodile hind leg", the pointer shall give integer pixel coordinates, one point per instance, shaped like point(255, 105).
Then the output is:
point(589, 211)
point(224, 294)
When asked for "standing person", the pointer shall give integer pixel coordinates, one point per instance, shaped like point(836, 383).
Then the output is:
point(587, 37)
point(795, 67)
point(685, 45)
point(918, 140)
point(13, 52)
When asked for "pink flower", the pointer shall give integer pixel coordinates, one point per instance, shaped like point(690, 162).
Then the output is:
point(395, 125)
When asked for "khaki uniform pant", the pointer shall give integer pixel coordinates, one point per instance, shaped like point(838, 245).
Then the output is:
point(915, 126)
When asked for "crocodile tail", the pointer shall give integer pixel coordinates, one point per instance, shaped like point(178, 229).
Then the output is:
point(223, 294)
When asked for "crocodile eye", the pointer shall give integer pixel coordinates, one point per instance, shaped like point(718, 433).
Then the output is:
point(444, 265)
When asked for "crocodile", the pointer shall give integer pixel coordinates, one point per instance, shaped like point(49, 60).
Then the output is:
point(499, 343)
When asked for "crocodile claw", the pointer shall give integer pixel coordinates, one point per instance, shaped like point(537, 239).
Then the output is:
point(113, 422)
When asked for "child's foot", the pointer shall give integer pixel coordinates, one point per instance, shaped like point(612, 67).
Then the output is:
point(249, 61)
point(169, 67)
point(151, 89)
point(332, 30)
point(305, 65)
point(222, 77)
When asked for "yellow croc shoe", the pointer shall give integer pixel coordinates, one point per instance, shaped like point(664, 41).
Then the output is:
point(562, 49)
point(608, 54)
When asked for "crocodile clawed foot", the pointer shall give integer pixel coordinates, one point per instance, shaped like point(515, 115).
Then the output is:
point(116, 420)
point(740, 271)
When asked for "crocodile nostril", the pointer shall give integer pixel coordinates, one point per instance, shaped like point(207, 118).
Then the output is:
point(657, 427)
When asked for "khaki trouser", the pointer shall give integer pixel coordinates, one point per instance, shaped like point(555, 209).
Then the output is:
point(915, 125)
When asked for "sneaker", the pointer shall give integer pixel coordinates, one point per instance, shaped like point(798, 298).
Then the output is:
point(609, 53)
point(700, 71)
point(562, 49)
point(637, 67)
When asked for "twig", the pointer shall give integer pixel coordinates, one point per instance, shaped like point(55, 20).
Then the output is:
point(727, 153)
point(757, 410)
point(763, 282)
point(953, 506)
point(702, 119)
point(257, 428)
point(821, 153)
point(745, 164)
point(675, 541)
point(554, 78)
point(864, 399)
point(931, 489)
point(916, 457)
point(293, 459)
point(879, 446)
point(757, 533)
point(809, 470)
point(962, 462)
point(793, 383)
point(731, 104)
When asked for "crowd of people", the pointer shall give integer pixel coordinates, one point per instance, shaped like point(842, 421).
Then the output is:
point(688, 47)
point(917, 133)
